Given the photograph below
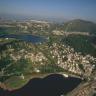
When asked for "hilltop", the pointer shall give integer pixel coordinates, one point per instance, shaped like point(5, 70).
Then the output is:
point(79, 25)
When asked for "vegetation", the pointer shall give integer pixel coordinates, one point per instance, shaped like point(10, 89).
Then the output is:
point(80, 44)
point(8, 30)
point(16, 82)
point(80, 26)
point(19, 57)
point(50, 68)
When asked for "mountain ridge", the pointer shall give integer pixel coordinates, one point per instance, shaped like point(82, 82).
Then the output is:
point(79, 25)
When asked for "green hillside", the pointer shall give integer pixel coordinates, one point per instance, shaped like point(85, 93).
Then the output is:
point(79, 26)
point(80, 44)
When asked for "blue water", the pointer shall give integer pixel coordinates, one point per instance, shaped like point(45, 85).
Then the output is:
point(29, 38)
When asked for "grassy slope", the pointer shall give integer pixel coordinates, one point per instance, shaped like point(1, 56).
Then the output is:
point(80, 44)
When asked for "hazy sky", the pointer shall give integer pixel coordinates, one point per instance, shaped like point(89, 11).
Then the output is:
point(81, 9)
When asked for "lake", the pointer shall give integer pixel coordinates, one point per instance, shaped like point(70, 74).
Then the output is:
point(51, 85)
point(29, 38)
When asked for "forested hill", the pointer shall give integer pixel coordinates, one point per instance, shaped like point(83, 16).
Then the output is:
point(80, 26)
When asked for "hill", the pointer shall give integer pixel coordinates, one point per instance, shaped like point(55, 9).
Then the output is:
point(80, 26)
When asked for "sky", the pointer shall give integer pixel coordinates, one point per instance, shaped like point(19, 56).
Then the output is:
point(69, 9)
